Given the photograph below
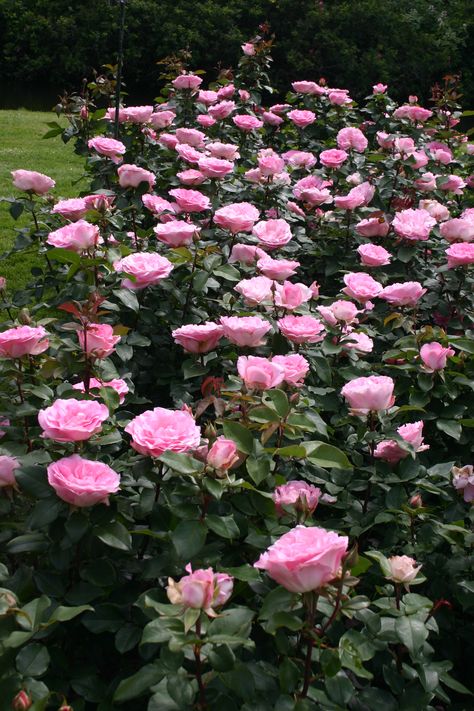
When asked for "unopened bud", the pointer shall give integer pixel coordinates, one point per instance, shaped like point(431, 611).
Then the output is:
point(24, 317)
point(22, 701)
point(416, 501)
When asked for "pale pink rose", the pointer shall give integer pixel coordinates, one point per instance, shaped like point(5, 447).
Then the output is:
point(237, 217)
point(434, 356)
point(73, 209)
point(440, 152)
point(157, 204)
point(470, 149)
point(403, 569)
point(296, 495)
point(373, 227)
point(417, 159)
point(215, 167)
point(246, 254)
point(373, 256)
point(460, 254)
point(223, 150)
point(291, 296)
point(225, 92)
point(190, 200)
point(130, 176)
point(23, 340)
point(438, 211)
point(201, 590)
point(310, 182)
point(463, 480)
point(246, 122)
point(260, 373)
point(404, 144)
point(339, 97)
point(296, 368)
point(348, 138)
point(188, 153)
point(108, 147)
point(32, 182)
point(7, 470)
point(119, 385)
point(302, 329)
point(307, 87)
point(426, 183)
point(357, 341)
point(302, 118)
point(191, 136)
point(110, 115)
point(413, 113)
point(4, 422)
point(248, 48)
point(304, 559)
point(191, 177)
point(299, 159)
point(168, 140)
point(148, 268)
point(343, 310)
point(72, 420)
point(205, 121)
point(162, 119)
point(369, 394)
point(295, 209)
point(333, 158)
point(78, 236)
point(255, 290)
point(468, 214)
point(458, 230)
point(200, 338)
point(207, 97)
point(379, 88)
point(97, 340)
point(314, 197)
point(413, 225)
point(357, 197)
point(385, 140)
point(451, 183)
point(272, 233)
point(272, 119)
point(138, 114)
point(269, 162)
point(82, 482)
point(161, 430)
point(391, 452)
point(245, 330)
point(223, 454)
point(254, 175)
point(187, 82)
point(279, 269)
point(407, 293)
point(361, 286)
point(223, 109)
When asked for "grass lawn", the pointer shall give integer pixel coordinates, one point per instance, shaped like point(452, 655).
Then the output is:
point(23, 147)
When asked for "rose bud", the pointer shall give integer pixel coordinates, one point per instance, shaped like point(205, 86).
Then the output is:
point(416, 501)
point(403, 569)
point(223, 454)
point(22, 701)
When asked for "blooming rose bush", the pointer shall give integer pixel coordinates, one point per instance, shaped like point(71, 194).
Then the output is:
point(236, 447)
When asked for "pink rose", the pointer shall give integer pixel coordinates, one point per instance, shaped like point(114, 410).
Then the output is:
point(130, 176)
point(291, 296)
point(205, 121)
point(296, 495)
point(413, 224)
point(187, 82)
point(246, 122)
point(7, 470)
point(278, 269)
point(434, 356)
point(72, 420)
point(97, 340)
point(390, 451)
point(19, 341)
point(246, 254)
point(379, 88)
point(168, 140)
point(413, 113)
point(304, 559)
point(373, 256)
point(162, 119)
point(245, 330)
point(438, 211)
point(463, 480)
point(147, 268)
point(198, 338)
point(157, 204)
point(295, 366)
point(73, 209)
point(339, 97)
point(108, 147)
point(119, 385)
point(299, 159)
point(32, 182)
point(215, 167)
point(302, 118)
point(426, 183)
point(360, 195)
point(273, 233)
point(361, 286)
point(357, 341)
point(255, 290)
point(451, 183)
point(348, 138)
point(190, 200)
point(302, 329)
point(201, 590)
point(269, 162)
point(403, 569)
point(161, 430)
point(82, 482)
point(223, 454)
point(407, 293)
point(138, 114)
point(176, 233)
point(191, 177)
point(458, 230)
point(191, 136)
point(260, 373)
point(272, 119)
point(224, 150)
point(207, 97)
point(369, 394)
point(333, 158)
point(223, 109)
point(343, 310)
point(248, 49)
point(460, 254)
point(225, 92)
point(79, 236)
point(188, 153)
point(4, 422)
point(237, 217)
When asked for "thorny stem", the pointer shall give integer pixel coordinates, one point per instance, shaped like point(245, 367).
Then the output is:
point(197, 659)
point(337, 606)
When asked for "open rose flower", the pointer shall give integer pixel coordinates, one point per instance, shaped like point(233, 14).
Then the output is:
point(279, 269)
point(83, 482)
point(32, 182)
point(369, 394)
point(147, 268)
point(435, 356)
point(463, 480)
point(361, 286)
point(98, 340)
point(246, 254)
point(458, 230)
point(198, 338)
point(333, 158)
point(246, 122)
point(291, 296)
point(176, 233)
point(255, 290)
point(296, 368)
point(118, 384)
point(223, 454)
point(371, 255)
point(390, 451)
point(373, 227)
point(7, 470)
point(237, 217)
point(201, 589)
point(108, 147)
point(187, 82)
point(190, 200)
point(273, 233)
point(161, 430)
point(73, 209)
point(351, 138)
point(131, 176)
point(23, 340)
point(403, 569)
point(245, 330)
point(260, 373)
point(460, 254)
point(302, 329)
point(72, 420)
point(301, 118)
point(78, 236)
point(406, 293)
point(413, 225)
point(296, 495)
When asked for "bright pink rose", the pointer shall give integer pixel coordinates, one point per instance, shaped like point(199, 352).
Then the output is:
point(369, 394)
point(407, 293)
point(237, 217)
point(279, 269)
point(463, 480)
point(296, 368)
point(162, 119)
point(379, 88)
point(272, 119)
point(190, 200)
point(201, 590)
point(188, 153)
point(148, 268)
point(215, 167)
point(225, 92)
point(205, 121)
point(391, 452)
point(161, 430)
point(438, 211)
point(108, 147)
point(245, 330)
point(333, 158)
point(32, 182)
point(458, 230)
point(72, 420)
point(82, 482)
point(246, 122)
point(302, 329)
point(272, 233)
point(23, 340)
point(348, 138)
point(413, 224)
point(403, 569)
point(269, 162)
point(291, 296)
point(73, 209)
point(78, 236)
point(187, 82)
point(198, 338)
point(460, 254)
point(255, 290)
point(308, 87)
point(191, 136)
point(7, 470)
point(98, 341)
point(130, 176)
point(223, 454)
point(304, 559)
point(176, 233)
point(434, 356)
point(373, 256)
point(246, 254)
point(119, 385)
point(373, 227)
point(361, 286)
point(296, 495)
point(223, 109)
point(413, 113)
point(223, 150)
point(302, 118)
point(260, 373)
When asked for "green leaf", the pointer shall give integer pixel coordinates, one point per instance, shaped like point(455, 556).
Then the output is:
point(188, 538)
point(115, 535)
point(258, 469)
point(65, 256)
point(223, 526)
point(296, 451)
point(182, 463)
point(450, 427)
point(340, 689)
point(381, 560)
point(240, 435)
point(139, 683)
point(128, 299)
point(232, 622)
point(279, 400)
point(263, 414)
point(32, 660)
point(411, 632)
point(326, 456)
point(110, 397)
point(33, 480)
point(247, 573)
point(64, 614)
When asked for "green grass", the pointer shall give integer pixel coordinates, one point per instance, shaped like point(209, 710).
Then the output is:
point(23, 147)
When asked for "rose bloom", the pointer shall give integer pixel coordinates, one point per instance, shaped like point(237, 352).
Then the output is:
point(223, 454)
point(246, 254)
point(188, 153)
point(295, 209)
point(260, 373)
point(407, 293)
point(403, 569)
point(360, 195)
point(297, 495)
point(19, 341)
point(189, 82)
point(191, 136)
point(413, 224)
point(296, 368)
point(385, 140)
point(162, 119)
point(190, 200)
point(434, 356)
point(451, 183)
point(458, 230)
point(426, 183)
point(108, 147)
point(198, 338)
point(299, 159)
point(339, 97)
point(110, 115)
point(4, 422)
point(463, 480)
point(391, 452)
point(460, 254)
point(223, 150)
point(245, 330)
point(157, 204)
point(304, 559)
point(302, 329)
point(357, 341)
point(244, 95)
point(130, 176)
point(7, 470)
point(369, 394)
point(379, 88)
point(73, 209)
point(100, 341)
point(272, 119)
point(119, 385)
point(82, 482)
point(201, 590)
point(413, 113)
point(225, 92)
point(223, 109)
point(307, 87)
point(348, 138)
point(207, 97)
point(278, 269)
point(343, 310)
point(246, 122)
point(78, 236)
point(148, 268)
point(373, 256)
point(291, 296)
point(269, 162)
point(237, 217)
point(205, 121)
point(138, 114)
point(301, 118)
point(32, 182)
point(191, 177)
point(333, 158)
point(438, 211)
point(215, 167)
point(168, 140)
point(373, 227)
point(161, 430)
point(72, 420)
point(272, 233)
point(255, 290)
point(176, 233)
point(248, 48)
point(361, 286)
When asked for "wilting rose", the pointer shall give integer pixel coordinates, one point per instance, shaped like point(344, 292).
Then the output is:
point(148, 268)
point(369, 394)
point(23, 340)
point(434, 356)
point(82, 482)
point(98, 340)
point(32, 182)
point(296, 495)
point(463, 480)
point(198, 338)
point(201, 589)
point(130, 176)
point(72, 420)
point(260, 373)
point(245, 330)
point(161, 430)
point(78, 236)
